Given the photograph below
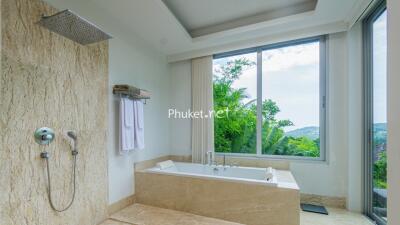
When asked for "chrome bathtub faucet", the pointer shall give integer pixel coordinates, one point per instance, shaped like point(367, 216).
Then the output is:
point(210, 158)
point(224, 162)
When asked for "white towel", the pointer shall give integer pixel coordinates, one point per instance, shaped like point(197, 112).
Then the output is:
point(165, 164)
point(139, 124)
point(127, 135)
point(128, 112)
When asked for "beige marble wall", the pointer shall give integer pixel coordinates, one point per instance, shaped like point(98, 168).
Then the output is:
point(237, 202)
point(48, 80)
point(336, 202)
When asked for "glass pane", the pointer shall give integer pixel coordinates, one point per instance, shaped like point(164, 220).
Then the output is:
point(235, 103)
point(379, 116)
point(290, 94)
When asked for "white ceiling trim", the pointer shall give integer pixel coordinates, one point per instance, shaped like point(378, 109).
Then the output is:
point(357, 11)
point(255, 26)
point(254, 19)
point(270, 39)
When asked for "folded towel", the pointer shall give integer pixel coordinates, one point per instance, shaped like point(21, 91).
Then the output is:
point(127, 138)
point(139, 124)
point(270, 173)
point(128, 112)
point(165, 164)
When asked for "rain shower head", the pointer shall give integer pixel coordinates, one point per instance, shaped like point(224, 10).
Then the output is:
point(74, 27)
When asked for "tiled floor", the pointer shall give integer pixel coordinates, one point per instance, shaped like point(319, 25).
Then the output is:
point(335, 217)
point(138, 214)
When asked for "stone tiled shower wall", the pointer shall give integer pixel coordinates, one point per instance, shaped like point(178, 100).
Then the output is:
point(48, 80)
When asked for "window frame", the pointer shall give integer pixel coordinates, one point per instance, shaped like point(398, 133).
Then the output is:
point(374, 13)
point(322, 95)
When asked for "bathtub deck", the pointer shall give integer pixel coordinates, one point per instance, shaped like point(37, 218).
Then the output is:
point(138, 214)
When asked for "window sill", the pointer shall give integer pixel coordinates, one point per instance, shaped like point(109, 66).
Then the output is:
point(295, 159)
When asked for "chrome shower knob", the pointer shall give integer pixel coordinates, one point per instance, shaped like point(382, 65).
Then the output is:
point(44, 136)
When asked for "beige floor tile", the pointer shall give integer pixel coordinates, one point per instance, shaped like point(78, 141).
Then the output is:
point(139, 214)
point(335, 217)
point(115, 222)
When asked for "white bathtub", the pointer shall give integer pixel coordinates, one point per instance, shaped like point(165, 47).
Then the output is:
point(235, 174)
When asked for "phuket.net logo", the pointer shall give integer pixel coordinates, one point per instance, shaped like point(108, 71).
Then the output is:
point(189, 114)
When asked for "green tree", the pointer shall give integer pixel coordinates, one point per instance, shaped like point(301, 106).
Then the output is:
point(235, 131)
point(380, 172)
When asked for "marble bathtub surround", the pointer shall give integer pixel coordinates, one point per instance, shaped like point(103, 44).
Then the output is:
point(48, 80)
point(330, 201)
point(232, 201)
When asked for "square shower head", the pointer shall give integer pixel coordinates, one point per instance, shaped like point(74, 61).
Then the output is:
point(74, 27)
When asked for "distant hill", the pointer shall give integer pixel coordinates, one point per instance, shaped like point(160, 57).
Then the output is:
point(380, 133)
point(310, 132)
point(380, 127)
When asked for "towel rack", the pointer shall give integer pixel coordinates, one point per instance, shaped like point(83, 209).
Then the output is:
point(124, 90)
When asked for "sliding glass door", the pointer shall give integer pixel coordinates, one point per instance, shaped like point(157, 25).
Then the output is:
point(375, 35)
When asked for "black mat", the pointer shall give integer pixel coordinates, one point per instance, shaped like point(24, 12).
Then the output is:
point(314, 208)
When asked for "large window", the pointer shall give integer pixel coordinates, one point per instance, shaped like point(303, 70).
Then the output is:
point(375, 36)
point(274, 99)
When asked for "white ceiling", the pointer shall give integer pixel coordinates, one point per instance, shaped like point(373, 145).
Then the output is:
point(152, 21)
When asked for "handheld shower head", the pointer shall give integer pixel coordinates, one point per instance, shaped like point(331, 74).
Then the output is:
point(72, 135)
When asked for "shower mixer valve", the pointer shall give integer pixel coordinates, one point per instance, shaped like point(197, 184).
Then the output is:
point(44, 136)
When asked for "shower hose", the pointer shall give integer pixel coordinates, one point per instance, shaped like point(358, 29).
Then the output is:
point(45, 155)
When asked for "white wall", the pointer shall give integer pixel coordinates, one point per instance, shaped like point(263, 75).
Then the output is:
point(355, 119)
point(141, 67)
point(330, 178)
point(322, 178)
point(393, 112)
point(134, 62)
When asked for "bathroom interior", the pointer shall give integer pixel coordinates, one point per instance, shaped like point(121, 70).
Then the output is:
point(210, 112)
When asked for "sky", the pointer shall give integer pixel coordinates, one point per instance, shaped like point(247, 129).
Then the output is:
point(290, 78)
point(379, 69)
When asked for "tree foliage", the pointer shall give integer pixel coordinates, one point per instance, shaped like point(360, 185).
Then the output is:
point(235, 131)
point(380, 171)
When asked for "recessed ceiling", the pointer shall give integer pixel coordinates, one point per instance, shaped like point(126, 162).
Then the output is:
point(210, 16)
point(156, 24)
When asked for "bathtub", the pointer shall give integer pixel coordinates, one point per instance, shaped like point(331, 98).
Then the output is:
point(237, 194)
point(227, 173)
